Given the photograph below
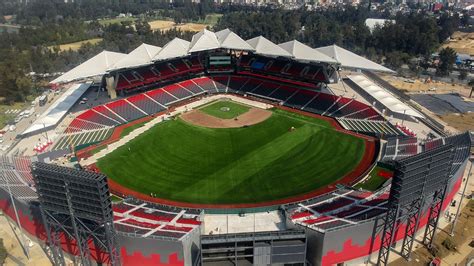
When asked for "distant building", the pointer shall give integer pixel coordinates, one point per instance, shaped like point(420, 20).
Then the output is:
point(371, 23)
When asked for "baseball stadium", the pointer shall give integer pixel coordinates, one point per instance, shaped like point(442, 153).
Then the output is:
point(224, 151)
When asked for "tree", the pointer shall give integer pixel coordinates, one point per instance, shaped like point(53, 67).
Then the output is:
point(447, 57)
point(414, 67)
point(471, 83)
point(396, 59)
point(465, 18)
point(15, 84)
point(462, 74)
point(3, 252)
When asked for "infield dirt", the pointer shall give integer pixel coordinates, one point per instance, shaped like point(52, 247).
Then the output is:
point(252, 117)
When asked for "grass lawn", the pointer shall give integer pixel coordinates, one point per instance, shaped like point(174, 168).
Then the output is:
point(211, 19)
point(181, 162)
point(115, 198)
point(76, 45)
point(225, 109)
point(374, 181)
point(5, 118)
point(105, 22)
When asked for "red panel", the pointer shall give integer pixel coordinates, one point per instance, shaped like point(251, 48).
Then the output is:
point(385, 174)
point(188, 221)
point(352, 251)
point(154, 260)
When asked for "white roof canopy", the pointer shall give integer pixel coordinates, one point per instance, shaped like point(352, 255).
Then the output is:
point(204, 40)
point(95, 66)
point(58, 109)
point(142, 55)
point(208, 40)
point(175, 48)
point(229, 40)
point(303, 52)
point(350, 59)
point(265, 47)
point(384, 97)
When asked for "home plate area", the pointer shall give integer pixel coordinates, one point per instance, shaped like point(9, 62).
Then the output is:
point(202, 118)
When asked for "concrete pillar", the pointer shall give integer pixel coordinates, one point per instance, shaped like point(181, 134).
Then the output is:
point(111, 82)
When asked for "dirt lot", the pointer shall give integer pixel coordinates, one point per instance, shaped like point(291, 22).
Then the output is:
point(10, 235)
point(167, 25)
point(161, 24)
point(463, 234)
point(421, 85)
point(461, 122)
point(252, 117)
point(462, 42)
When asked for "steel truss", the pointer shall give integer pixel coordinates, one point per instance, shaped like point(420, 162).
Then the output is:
point(63, 193)
point(414, 182)
point(433, 217)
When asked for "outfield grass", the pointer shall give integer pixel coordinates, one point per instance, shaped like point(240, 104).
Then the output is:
point(266, 161)
point(216, 109)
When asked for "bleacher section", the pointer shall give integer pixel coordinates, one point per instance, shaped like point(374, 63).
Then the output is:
point(462, 144)
point(146, 104)
point(205, 84)
point(221, 83)
point(146, 219)
point(381, 128)
point(131, 80)
point(102, 117)
point(130, 216)
point(162, 96)
point(67, 140)
point(321, 103)
point(400, 147)
point(16, 177)
point(178, 92)
point(339, 208)
point(281, 68)
point(125, 110)
point(192, 87)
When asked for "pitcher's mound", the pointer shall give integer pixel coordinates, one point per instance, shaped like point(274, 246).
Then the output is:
point(252, 117)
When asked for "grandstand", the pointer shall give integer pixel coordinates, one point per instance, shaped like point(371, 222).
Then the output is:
point(154, 101)
point(335, 223)
point(344, 207)
point(17, 177)
point(145, 220)
point(338, 209)
point(400, 147)
point(379, 128)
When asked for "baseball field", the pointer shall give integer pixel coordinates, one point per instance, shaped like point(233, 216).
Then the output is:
point(287, 154)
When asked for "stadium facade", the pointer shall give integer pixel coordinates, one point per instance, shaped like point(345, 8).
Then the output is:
point(340, 224)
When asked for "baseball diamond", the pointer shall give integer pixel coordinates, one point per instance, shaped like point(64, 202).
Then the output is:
point(174, 160)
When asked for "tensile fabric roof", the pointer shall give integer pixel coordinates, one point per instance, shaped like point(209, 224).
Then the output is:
point(142, 55)
point(351, 60)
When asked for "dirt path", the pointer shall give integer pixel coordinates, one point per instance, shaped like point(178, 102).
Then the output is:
point(252, 117)
point(11, 235)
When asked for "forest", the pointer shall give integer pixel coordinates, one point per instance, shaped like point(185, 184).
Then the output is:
point(49, 23)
